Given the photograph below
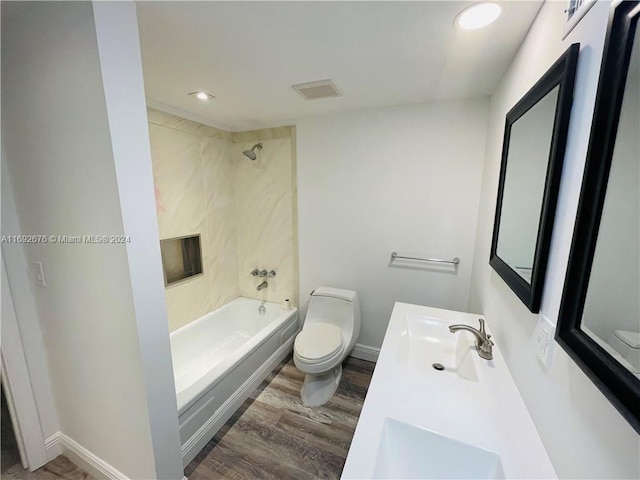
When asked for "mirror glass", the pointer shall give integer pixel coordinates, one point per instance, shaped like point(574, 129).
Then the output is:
point(529, 147)
point(611, 313)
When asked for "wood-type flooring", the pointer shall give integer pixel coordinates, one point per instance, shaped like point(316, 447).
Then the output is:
point(271, 436)
point(60, 468)
point(274, 436)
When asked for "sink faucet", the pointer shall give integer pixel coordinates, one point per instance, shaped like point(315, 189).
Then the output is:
point(262, 286)
point(483, 341)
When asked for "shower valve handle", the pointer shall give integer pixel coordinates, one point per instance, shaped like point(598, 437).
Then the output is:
point(262, 273)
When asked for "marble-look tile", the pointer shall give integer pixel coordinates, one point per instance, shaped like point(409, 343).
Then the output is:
point(157, 117)
point(262, 135)
point(178, 181)
point(265, 219)
point(294, 218)
point(243, 210)
point(177, 171)
point(217, 171)
point(188, 300)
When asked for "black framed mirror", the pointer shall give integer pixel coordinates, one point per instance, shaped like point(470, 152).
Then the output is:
point(535, 138)
point(599, 319)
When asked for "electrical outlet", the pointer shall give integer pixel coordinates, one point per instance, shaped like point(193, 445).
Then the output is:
point(39, 273)
point(542, 343)
point(543, 338)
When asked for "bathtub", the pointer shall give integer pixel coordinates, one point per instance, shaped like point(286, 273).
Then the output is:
point(219, 359)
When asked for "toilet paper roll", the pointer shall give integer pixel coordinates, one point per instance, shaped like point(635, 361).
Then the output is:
point(286, 304)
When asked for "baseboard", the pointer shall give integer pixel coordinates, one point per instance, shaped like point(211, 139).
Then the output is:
point(365, 352)
point(207, 431)
point(53, 446)
point(59, 443)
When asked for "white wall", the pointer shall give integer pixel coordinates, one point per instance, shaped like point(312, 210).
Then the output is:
point(76, 170)
point(375, 181)
point(582, 432)
point(29, 326)
point(121, 66)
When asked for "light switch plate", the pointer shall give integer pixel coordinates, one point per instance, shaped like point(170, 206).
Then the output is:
point(39, 273)
point(543, 341)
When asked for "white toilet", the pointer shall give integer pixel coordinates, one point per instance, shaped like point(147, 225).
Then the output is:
point(330, 331)
point(627, 344)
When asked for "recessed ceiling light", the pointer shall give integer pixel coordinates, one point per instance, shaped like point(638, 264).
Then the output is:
point(204, 96)
point(478, 15)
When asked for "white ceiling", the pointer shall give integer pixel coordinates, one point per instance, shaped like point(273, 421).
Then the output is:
point(248, 54)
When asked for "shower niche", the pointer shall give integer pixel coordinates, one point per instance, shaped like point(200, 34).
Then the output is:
point(181, 258)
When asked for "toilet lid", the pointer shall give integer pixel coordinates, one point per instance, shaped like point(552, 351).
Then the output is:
point(317, 341)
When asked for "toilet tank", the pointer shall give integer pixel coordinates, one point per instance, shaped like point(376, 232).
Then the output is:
point(337, 307)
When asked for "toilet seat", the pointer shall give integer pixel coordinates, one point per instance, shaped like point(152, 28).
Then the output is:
point(318, 341)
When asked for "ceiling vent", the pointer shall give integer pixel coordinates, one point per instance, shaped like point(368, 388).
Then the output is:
point(318, 90)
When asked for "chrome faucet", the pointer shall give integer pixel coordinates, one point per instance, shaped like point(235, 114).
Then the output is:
point(483, 341)
point(262, 286)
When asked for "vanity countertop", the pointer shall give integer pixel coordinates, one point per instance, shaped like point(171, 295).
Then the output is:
point(487, 413)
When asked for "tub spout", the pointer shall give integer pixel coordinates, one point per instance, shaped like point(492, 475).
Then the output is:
point(262, 286)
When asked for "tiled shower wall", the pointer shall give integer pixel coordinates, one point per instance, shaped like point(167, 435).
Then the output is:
point(243, 210)
point(264, 203)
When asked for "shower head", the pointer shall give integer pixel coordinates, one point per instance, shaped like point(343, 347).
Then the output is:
point(251, 154)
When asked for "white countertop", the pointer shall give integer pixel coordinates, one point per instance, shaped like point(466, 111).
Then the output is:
point(489, 413)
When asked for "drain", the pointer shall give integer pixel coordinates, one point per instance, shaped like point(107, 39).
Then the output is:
point(438, 366)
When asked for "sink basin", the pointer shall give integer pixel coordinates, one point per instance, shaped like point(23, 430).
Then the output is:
point(406, 451)
point(426, 340)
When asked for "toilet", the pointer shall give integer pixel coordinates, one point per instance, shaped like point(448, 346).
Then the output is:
point(627, 344)
point(330, 330)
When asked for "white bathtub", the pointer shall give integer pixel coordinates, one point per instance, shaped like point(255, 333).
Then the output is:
point(219, 359)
